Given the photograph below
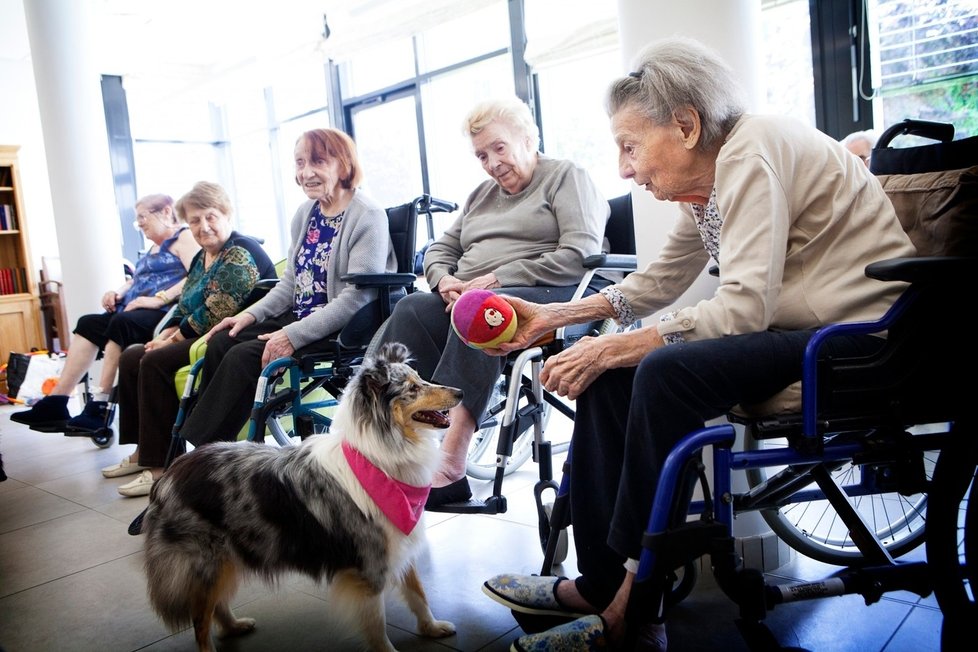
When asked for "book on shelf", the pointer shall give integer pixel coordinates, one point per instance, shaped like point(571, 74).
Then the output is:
point(13, 280)
point(8, 217)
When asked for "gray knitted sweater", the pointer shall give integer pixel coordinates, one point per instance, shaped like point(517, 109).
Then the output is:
point(538, 236)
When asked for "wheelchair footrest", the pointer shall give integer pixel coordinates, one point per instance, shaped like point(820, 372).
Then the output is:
point(870, 582)
point(491, 505)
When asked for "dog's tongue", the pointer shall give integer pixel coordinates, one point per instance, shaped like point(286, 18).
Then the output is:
point(432, 417)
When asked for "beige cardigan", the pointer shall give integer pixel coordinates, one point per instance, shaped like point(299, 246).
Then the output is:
point(802, 218)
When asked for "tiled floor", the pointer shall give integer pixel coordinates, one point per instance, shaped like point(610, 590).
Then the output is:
point(71, 579)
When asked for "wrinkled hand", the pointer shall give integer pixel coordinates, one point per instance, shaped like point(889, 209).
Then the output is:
point(236, 324)
point(148, 303)
point(572, 370)
point(109, 299)
point(277, 345)
point(532, 323)
point(450, 287)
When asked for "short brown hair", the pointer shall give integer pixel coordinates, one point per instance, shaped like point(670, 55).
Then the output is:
point(334, 144)
point(204, 194)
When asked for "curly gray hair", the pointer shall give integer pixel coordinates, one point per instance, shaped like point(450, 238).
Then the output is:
point(679, 72)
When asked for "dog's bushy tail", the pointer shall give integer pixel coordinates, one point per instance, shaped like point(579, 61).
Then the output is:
point(185, 576)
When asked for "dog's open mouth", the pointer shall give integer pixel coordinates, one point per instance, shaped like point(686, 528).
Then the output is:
point(432, 418)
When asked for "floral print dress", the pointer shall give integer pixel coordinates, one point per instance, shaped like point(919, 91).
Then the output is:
point(311, 261)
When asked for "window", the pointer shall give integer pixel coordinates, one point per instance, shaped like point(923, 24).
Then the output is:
point(925, 58)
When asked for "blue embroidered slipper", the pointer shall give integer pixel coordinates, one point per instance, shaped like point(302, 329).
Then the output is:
point(581, 635)
point(529, 594)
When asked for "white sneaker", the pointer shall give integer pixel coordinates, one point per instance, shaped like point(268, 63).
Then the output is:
point(125, 467)
point(140, 486)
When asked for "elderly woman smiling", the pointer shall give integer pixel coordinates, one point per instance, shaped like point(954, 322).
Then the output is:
point(524, 232)
point(792, 219)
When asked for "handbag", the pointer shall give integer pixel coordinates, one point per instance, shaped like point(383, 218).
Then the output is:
point(16, 369)
point(34, 375)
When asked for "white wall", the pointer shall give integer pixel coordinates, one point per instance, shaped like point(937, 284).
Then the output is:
point(20, 124)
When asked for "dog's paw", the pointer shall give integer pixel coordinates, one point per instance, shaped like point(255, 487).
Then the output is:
point(238, 627)
point(437, 629)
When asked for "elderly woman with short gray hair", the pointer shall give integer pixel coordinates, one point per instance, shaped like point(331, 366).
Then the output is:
point(792, 219)
point(524, 232)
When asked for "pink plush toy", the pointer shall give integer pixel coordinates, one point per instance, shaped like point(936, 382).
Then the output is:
point(483, 319)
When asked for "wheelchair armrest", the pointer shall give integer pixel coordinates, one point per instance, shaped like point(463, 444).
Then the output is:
point(627, 262)
point(265, 284)
point(379, 280)
point(923, 269)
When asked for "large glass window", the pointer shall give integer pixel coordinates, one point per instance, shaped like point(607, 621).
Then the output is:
point(925, 57)
point(787, 53)
point(575, 124)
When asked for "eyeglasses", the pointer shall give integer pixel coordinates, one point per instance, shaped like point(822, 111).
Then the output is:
point(142, 217)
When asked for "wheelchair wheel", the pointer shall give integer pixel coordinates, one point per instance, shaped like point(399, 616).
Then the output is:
point(103, 437)
point(683, 580)
point(480, 462)
point(952, 533)
point(814, 528)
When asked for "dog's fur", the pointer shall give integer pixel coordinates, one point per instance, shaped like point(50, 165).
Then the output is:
point(227, 509)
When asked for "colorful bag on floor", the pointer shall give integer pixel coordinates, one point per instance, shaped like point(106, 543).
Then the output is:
point(39, 378)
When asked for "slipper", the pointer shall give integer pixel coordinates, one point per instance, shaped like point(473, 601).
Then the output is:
point(456, 492)
point(581, 635)
point(529, 594)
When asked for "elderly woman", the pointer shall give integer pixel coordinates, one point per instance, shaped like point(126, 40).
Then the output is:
point(131, 314)
point(220, 281)
point(791, 218)
point(525, 232)
point(340, 230)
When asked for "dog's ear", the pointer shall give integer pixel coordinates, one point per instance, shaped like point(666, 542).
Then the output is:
point(395, 352)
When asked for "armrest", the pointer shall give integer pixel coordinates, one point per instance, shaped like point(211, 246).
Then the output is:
point(923, 269)
point(380, 280)
point(611, 261)
point(265, 284)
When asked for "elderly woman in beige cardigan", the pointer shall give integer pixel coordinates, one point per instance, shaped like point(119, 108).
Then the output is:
point(792, 219)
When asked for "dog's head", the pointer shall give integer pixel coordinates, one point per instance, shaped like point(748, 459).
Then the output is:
point(387, 396)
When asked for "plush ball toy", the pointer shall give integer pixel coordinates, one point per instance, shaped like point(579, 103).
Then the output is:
point(483, 319)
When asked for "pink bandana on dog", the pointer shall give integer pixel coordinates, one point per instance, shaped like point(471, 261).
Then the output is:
point(402, 503)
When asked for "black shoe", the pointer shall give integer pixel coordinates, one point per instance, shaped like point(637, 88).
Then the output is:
point(91, 419)
point(50, 414)
point(456, 492)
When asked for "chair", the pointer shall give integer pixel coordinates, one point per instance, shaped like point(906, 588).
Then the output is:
point(295, 397)
point(851, 478)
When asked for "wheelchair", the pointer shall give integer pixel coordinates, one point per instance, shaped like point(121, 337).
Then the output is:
point(882, 457)
point(295, 396)
point(104, 435)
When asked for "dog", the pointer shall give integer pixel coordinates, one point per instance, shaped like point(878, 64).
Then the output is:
point(226, 510)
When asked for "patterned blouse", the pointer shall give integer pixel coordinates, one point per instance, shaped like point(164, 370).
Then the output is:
point(708, 223)
point(220, 291)
point(311, 262)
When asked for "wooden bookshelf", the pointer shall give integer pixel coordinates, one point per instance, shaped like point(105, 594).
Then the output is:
point(20, 323)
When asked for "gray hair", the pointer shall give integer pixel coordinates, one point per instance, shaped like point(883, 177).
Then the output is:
point(511, 111)
point(679, 72)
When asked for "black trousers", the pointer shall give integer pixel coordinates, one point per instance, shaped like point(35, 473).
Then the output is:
point(229, 378)
point(629, 420)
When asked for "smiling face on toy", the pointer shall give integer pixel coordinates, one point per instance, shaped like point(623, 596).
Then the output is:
point(482, 319)
point(493, 317)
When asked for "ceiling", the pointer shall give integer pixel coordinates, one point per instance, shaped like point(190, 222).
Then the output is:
point(167, 48)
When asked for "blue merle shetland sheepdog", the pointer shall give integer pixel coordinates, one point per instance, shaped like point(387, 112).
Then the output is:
point(340, 507)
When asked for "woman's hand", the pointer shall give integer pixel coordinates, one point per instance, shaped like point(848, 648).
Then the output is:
point(450, 287)
point(165, 338)
point(533, 321)
point(572, 370)
point(277, 345)
point(235, 324)
point(149, 303)
point(110, 299)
